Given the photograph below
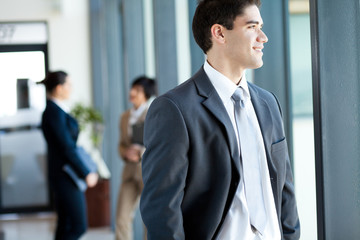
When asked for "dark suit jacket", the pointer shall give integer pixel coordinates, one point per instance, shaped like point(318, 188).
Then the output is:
point(61, 132)
point(191, 165)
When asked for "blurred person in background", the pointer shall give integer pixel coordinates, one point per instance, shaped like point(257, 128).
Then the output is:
point(61, 132)
point(131, 148)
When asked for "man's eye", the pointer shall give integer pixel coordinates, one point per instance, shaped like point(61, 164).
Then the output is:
point(252, 26)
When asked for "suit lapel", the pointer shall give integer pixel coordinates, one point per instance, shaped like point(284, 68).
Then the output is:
point(214, 104)
point(265, 121)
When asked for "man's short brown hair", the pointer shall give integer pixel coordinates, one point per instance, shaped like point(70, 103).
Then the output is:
point(210, 12)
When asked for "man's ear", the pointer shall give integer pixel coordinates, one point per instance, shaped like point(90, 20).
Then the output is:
point(217, 33)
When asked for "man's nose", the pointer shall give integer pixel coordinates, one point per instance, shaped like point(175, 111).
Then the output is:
point(262, 37)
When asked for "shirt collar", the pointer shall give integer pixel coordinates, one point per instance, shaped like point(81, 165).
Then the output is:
point(223, 85)
point(140, 109)
point(136, 113)
point(244, 84)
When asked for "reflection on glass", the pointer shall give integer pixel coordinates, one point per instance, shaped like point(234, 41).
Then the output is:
point(23, 179)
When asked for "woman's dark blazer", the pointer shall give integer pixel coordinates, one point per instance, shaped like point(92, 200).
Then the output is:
point(61, 132)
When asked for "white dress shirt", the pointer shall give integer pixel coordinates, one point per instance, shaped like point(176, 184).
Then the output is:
point(237, 222)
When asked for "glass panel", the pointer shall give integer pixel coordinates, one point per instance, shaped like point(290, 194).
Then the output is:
point(149, 36)
point(23, 169)
point(22, 146)
point(303, 130)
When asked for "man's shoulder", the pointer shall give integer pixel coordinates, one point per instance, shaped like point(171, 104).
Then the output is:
point(186, 90)
point(180, 96)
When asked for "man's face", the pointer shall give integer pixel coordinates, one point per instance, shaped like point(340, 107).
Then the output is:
point(244, 43)
point(137, 95)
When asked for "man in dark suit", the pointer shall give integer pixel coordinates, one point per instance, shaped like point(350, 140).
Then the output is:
point(216, 164)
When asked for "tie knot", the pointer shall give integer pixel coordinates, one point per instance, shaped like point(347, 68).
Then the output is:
point(239, 96)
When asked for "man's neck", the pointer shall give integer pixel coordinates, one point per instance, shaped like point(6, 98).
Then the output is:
point(234, 73)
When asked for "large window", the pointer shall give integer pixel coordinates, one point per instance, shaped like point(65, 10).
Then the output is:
point(303, 130)
point(23, 61)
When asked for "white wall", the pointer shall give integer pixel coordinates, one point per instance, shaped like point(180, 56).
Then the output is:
point(182, 40)
point(69, 38)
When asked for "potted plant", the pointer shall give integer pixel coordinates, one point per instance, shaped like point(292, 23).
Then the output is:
point(89, 116)
point(91, 119)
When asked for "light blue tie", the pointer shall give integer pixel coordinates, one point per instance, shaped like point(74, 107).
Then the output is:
point(249, 150)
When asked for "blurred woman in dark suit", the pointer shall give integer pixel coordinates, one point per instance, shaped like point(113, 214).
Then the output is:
point(61, 132)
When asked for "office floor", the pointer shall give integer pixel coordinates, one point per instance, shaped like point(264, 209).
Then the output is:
point(41, 227)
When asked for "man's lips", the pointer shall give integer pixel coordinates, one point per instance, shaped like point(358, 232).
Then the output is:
point(258, 49)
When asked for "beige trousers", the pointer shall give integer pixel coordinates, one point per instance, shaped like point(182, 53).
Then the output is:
point(128, 200)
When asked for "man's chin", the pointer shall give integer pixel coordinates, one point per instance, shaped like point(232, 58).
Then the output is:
point(258, 65)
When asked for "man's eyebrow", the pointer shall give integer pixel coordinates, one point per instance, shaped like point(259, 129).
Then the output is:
point(254, 22)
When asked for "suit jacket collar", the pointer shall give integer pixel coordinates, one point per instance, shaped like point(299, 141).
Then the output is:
point(214, 104)
point(262, 111)
point(265, 120)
